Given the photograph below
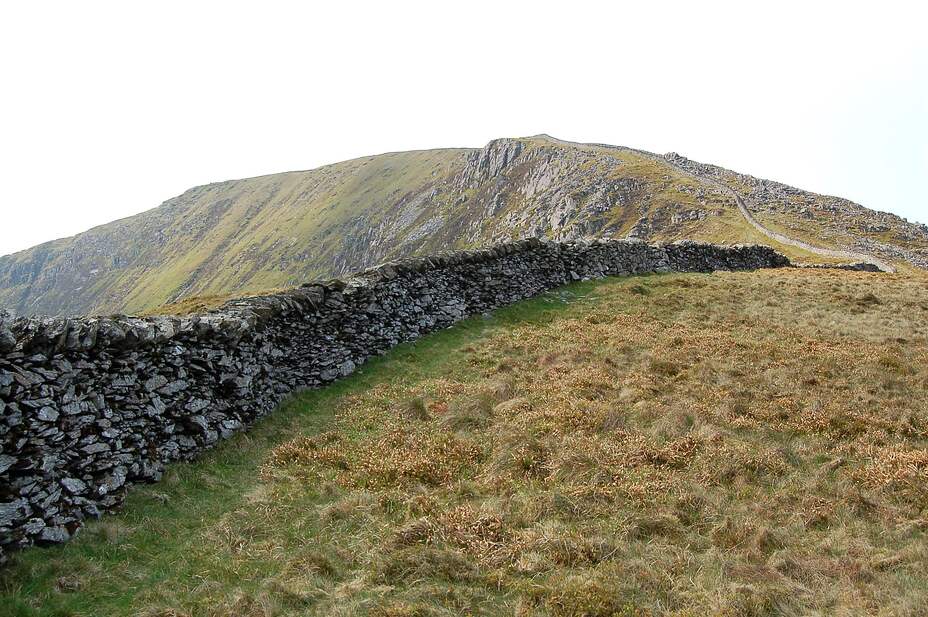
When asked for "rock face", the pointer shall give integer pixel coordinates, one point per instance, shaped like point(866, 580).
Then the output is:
point(246, 236)
point(488, 163)
point(89, 406)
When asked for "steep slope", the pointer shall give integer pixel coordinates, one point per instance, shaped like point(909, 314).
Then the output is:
point(237, 235)
point(249, 235)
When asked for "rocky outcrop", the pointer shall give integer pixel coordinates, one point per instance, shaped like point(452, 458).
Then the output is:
point(89, 406)
point(490, 161)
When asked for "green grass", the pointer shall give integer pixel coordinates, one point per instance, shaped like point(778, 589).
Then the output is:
point(153, 549)
point(665, 445)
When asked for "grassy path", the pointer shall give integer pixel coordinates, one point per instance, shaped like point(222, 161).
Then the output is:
point(153, 549)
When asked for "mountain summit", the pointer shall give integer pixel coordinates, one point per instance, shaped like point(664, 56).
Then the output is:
point(244, 236)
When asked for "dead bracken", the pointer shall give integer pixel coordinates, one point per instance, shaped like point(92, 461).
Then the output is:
point(689, 453)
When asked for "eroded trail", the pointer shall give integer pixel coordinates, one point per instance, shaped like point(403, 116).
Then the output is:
point(784, 239)
point(743, 210)
point(777, 236)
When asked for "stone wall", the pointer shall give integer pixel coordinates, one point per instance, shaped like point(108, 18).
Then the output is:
point(89, 406)
point(857, 266)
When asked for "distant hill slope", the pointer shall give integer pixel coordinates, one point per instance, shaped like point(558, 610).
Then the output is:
point(244, 236)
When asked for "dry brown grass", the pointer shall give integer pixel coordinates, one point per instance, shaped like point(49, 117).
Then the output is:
point(733, 444)
point(757, 439)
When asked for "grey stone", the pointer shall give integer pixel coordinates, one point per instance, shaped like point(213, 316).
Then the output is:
point(54, 535)
point(346, 368)
point(50, 462)
point(74, 486)
point(7, 340)
point(33, 526)
point(73, 408)
point(9, 511)
point(156, 382)
point(95, 448)
point(199, 421)
point(6, 462)
point(173, 387)
point(47, 414)
point(113, 481)
point(197, 405)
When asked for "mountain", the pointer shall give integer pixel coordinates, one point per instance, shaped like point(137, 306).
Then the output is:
point(245, 236)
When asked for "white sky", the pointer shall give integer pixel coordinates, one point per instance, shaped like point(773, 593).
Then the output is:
point(109, 108)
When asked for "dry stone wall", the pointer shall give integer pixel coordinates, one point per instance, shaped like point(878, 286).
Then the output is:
point(89, 406)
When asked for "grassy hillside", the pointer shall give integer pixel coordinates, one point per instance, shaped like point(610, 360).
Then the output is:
point(236, 236)
point(665, 445)
point(246, 236)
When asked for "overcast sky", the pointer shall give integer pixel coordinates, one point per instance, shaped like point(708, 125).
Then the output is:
point(109, 108)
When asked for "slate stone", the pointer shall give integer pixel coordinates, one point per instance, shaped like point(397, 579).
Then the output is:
point(6, 462)
point(54, 535)
point(113, 481)
point(47, 414)
point(346, 368)
point(95, 448)
point(73, 408)
point(173, 387)
point(10, 511)
point(156, 382)
point(74, 486)
point(197, 405)
point(33, 526)
point(7, 340)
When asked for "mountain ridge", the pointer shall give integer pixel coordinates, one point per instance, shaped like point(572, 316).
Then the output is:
point(247, 235)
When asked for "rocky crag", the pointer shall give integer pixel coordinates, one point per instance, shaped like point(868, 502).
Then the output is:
point(89, 406)
point(245, 236)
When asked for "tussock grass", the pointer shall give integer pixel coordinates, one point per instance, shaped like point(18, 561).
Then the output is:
point(730, 444)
